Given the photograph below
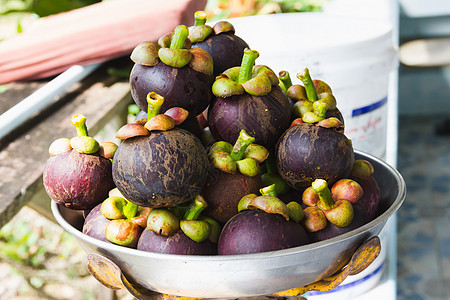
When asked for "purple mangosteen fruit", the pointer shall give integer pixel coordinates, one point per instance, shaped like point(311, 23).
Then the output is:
point(78, 173)
point(192, 235)
point(264, 223)
point(344, 207)
point(234, 173)
point(171, 68)
point(249, 98)
point(95, 224)
point(158, 164)
point(362, 173)
point(178, 243)
point(220, 41)
point(314, 148)
point(307, 152)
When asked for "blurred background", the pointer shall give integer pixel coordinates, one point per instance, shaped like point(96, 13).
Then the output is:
point(38, 260)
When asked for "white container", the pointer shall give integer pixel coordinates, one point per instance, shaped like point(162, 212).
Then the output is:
point(355, 56)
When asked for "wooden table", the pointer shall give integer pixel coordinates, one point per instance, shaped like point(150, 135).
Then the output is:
point(102, 98)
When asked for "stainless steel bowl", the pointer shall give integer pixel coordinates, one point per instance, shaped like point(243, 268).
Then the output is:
point(243, 275)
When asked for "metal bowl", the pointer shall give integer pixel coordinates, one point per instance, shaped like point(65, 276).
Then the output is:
point(243, 275)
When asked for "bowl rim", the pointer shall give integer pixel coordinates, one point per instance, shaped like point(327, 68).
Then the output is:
point(252, 256)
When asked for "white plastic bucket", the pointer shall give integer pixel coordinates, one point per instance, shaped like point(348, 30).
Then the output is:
point(355, 56)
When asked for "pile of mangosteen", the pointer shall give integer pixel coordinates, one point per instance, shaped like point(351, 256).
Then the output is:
point(225, 157)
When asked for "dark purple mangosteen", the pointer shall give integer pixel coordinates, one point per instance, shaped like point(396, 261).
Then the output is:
point(307, 152)
point(316, 147)
point(76, 175)
point(223, 192)
point(171, 68)
point(234, 174)
point(362, 173)
point(158, 164)
point(264, 223)
point(249, 98)
point(178, 243)
point(192, 235)
point(220, 41)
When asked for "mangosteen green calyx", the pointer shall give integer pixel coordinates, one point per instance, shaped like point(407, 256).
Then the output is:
point(180, 116)
point(309, 151)
point(270, 176)
point(235, 173)
point(244, 157)
point(314, 101)
point(225, 47)
point(117, 220)
point(328, 212)
point(249, 98)
point(162, 165)
point(264, 223)
point(336, 207)
point(171, 68)
point(78, 173)
point(189, 233)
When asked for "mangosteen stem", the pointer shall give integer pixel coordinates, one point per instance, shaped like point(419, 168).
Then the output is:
point(155, 101)
point(243, 141)
point(269, 190)
point(196, 208)
point(270, 164)
point(79, 121)
point(180, 34)
point(309, 85)
point(285, 79)
point(248, 61)
point(320, 187)
point(200, 18)
point(130, 210)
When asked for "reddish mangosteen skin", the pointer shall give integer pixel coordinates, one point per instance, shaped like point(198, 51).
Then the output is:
point(223, 191)
point(180, 87)
point(306, 152)
point(254, 231)
point(226, 49)
point(263, 117)
point(179, 243)
point(95, 224)
point(163, 169)
point(78, 181)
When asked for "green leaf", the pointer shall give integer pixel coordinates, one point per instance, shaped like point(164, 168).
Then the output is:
point(49, 7)
point(36, 282)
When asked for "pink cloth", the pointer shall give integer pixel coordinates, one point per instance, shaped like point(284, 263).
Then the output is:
point(91, 34)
